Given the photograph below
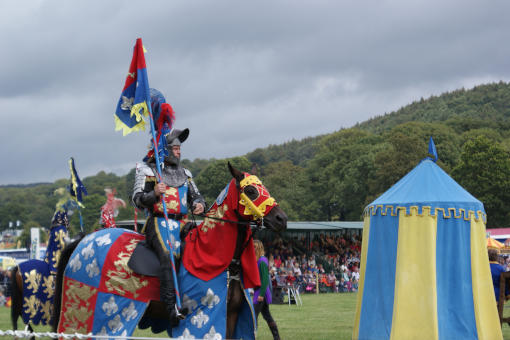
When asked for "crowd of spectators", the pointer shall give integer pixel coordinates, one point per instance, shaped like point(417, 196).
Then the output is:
point(5, 287)
point(5, 282)
point(327, 262)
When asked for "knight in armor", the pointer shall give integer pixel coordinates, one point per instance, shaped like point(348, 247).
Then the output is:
point(181, 195)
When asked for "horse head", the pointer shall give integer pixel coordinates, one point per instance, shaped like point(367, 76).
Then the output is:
point(255, 202)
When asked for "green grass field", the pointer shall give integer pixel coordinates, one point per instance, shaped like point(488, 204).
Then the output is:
point(322, 317)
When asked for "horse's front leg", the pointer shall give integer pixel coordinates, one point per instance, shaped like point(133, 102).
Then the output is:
point(234, 301)
point(17, 297)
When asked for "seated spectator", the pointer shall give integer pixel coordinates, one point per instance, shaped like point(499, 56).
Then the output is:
point(290, 278)
point(314, 269)
point(342, 286)
point(272, 277)
point(354, 284)
point(311, 261)
point(321, 269)
point(355, 273)
point(300, 283)
point(331, 278)
point(277, 261)
point(323, 281)
point(296, 269)
point(280, 280)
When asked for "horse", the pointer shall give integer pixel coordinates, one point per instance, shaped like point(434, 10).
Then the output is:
point(32, 281)
point(97, 292)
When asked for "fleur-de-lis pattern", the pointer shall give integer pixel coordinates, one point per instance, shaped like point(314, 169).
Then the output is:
point(110, 306)
point(200, 319)
point(118, 315)
point(207, 320)
point(119, 307)
point(186, 335)
point(87, 252)
point(212, 335)
point(115, 324)
point(103, 240)
point(210, 299)
point(170, 235)
point(189, 303)
point(92, 268)
point(120, 295)
point(75, 263)
point(129, 313)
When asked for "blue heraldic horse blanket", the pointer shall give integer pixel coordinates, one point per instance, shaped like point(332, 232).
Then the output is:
point(103, 296)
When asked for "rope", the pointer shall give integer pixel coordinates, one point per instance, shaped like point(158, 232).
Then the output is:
point(28, 334)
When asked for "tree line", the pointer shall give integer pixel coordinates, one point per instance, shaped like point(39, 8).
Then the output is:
point(334, 176)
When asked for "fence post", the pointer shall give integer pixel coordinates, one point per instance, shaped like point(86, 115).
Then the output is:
point(317, 282)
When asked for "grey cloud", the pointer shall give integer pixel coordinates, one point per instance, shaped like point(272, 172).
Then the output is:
point(239, 75)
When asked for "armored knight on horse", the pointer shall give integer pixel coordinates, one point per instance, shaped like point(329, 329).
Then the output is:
point(180, 192)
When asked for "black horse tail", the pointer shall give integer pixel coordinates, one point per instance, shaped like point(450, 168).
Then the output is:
point(62, 263)
point(16, 298)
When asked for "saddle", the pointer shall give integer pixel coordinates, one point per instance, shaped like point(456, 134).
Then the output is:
point(144, 260)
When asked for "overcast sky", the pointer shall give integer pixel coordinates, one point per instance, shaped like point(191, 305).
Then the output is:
point(239, 74)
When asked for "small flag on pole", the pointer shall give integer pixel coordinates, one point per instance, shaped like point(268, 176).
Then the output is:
point(432, 150)
point(76, 189)
point(132, 105)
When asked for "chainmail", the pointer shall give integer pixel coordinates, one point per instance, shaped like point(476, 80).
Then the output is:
point(173, 176)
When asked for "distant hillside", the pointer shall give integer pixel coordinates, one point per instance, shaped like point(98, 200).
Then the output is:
point(23, 185)
point(484, 106)
point(334, 176)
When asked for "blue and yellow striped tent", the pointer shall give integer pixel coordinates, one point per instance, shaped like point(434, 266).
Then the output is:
point(425, 269)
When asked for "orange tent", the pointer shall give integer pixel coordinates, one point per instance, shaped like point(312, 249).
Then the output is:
point(495, 244)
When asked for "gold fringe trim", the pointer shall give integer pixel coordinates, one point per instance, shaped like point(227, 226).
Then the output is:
point(425, 210)
point(119, 125)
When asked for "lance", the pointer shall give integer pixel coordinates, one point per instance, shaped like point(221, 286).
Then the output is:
point(158, 167)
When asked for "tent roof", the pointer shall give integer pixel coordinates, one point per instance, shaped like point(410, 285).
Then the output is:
point(492, 243)
point(428, 185)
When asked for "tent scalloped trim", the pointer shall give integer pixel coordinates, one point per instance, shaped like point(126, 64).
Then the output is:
point(425, 210)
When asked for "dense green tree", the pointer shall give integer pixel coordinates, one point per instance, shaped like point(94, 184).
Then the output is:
point(405, 146)
point(216, 176)
point(285, 182)
point(484, 171)
point(338, 175)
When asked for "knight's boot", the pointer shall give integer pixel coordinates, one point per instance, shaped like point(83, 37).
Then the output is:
point(274, 330)
point(168, 297)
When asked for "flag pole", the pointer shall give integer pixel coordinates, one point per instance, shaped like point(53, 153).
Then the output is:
point(158, 167)
point(81, 218)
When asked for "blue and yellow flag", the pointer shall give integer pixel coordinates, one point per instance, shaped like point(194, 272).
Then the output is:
point(76, 189)
point(134, 98)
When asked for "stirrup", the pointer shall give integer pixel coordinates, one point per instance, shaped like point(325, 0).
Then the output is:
point(178, 314)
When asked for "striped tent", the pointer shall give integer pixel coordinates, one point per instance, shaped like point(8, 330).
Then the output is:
point(494, 244)
point(425, 269)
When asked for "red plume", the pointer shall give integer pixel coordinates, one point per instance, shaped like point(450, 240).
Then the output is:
point(166, 115)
